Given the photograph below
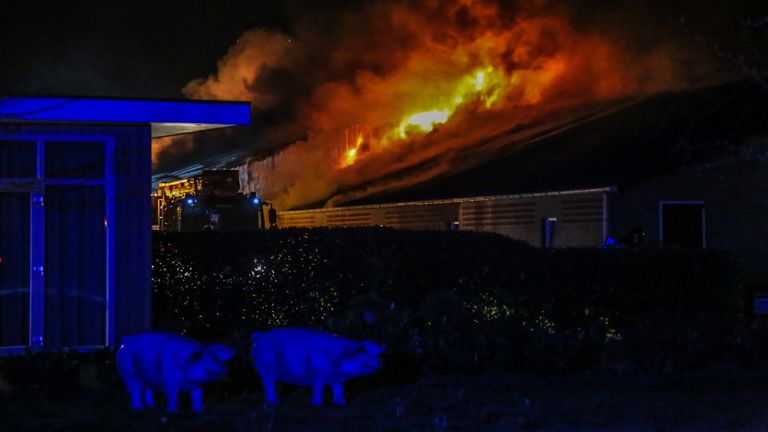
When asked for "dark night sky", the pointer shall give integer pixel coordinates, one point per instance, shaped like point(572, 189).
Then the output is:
point(118, 48)
point(152, 49)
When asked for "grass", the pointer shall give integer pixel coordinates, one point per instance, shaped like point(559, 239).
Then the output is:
point(716, 400)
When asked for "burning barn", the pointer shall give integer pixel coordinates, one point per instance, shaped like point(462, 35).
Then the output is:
point(510, 117)
point(681, 169)
point(74, 214)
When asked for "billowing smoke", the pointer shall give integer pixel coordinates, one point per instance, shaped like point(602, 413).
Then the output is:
point(394, 93)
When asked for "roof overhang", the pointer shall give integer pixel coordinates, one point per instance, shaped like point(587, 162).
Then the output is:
point(165, 117)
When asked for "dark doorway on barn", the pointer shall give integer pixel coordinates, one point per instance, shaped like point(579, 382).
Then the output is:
point(683, 224)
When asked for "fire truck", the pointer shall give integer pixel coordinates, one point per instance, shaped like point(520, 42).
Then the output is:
point(209, 201)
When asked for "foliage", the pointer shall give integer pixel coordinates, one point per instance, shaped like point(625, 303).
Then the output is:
point(59, 372)
point(452, 300)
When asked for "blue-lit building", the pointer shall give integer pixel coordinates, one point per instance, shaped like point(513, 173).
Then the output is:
point(75, 236)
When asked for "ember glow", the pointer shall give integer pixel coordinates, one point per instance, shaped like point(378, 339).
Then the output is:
point(352, 146)
point(408, 87)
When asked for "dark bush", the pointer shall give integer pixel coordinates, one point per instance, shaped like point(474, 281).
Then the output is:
point(59, 372)
point(452, 300)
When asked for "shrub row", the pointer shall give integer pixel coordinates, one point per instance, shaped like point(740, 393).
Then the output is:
point(453, 301)
point(57, 373)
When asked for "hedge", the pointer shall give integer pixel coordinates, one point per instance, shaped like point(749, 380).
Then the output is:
point(453, 301)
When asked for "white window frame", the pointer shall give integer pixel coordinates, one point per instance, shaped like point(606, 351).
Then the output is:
point(35, 187)
point(684, 202)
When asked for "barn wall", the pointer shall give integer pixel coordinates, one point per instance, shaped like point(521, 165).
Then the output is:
point(578, 214)
point(735, 196)
point(414, 216)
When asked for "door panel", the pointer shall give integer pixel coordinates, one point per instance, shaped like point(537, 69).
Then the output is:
point(75, 266)
point(14, 269)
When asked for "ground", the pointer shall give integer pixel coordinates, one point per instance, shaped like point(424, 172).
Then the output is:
point(717, 400)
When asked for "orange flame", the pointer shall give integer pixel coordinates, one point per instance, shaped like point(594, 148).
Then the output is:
point(425, 82)
point(502, 68)
point(353, 147)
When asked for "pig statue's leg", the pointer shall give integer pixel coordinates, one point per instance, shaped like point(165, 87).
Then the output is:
point(172, 394)
point(197, 399)
point(338, 394)
point(135, 388)
point(132, 382)
point(149, 397)
point(317, 392)
point(269, 384)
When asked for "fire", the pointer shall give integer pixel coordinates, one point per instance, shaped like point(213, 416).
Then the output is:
point(475, 75)
point(351, 154)
point(483, 84)
point(409, 90)
point(349, 158)
point(422, 122)
point(353, 149)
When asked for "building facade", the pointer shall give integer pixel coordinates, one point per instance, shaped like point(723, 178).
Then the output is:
point(75, 245)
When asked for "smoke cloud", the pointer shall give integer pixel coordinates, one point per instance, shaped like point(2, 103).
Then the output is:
point(389, 94)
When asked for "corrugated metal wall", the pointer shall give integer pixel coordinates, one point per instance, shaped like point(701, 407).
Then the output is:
point(579, 216)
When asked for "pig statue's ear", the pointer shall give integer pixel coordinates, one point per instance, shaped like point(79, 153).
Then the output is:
point(372, 348)
point(221, 352)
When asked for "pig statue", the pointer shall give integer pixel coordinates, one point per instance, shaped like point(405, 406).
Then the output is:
point(311, 358)
point(169, 363)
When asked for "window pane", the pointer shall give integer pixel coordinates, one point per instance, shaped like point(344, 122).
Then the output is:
point(69, 159)
point(14, 269)
point(75, 266)
point(18, 159)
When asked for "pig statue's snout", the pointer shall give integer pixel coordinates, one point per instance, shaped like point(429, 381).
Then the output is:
point(369, 366)
point(372, 352)
point(365, 362)
point(216, 370)
point(375, 364)
point(213, 360)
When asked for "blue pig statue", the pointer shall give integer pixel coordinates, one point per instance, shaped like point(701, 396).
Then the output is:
point(169, 363)
point(311, 358)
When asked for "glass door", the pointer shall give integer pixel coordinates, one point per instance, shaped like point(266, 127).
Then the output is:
point(18, 172)
point(75, 266)
point(14, 269)
point(54, 243)
point(75, 244)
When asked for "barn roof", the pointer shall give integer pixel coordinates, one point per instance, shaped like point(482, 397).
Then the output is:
point(651, 137)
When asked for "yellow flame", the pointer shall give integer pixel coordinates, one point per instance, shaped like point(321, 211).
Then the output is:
point(423, 122)
point(483, 84)
point(350, 156)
